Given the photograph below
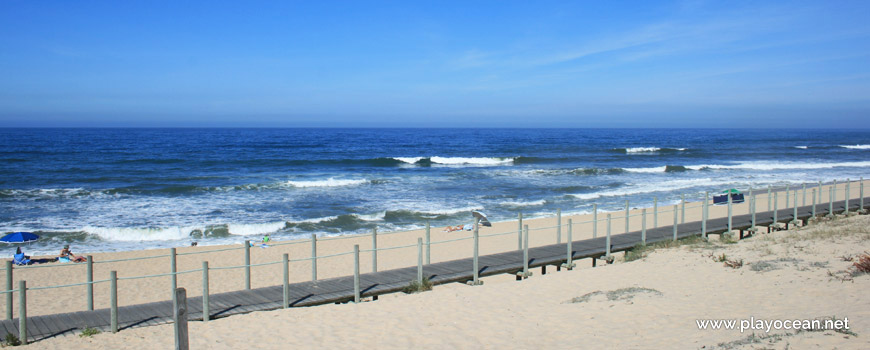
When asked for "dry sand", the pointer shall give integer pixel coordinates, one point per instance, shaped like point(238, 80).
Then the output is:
point(462, 324)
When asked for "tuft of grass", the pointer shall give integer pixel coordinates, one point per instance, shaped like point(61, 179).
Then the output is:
point(89, 332)
point(12, 340)
point(734, 264)
point(641, 251)
point(417, 287)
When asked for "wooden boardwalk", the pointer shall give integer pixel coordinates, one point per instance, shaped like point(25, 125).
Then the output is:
point(341, 289)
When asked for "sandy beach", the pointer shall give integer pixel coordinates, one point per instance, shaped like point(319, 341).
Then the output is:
point(650, 303)
point(143, 290)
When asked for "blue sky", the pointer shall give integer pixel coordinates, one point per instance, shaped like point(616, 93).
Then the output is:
point(435, 64)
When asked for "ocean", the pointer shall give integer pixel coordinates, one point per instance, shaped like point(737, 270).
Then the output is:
point(129, 189)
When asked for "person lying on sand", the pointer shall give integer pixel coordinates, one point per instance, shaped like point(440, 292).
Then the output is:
point(453, 228)
point(66, 254)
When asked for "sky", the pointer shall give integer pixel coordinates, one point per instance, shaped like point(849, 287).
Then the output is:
point(492, 64)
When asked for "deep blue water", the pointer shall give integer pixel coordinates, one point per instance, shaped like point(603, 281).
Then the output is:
point(113, 189)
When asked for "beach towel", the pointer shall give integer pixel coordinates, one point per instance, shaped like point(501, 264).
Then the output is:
point(468, 227)
point(63, 259)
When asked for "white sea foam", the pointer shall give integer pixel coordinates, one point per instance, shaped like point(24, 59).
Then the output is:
point(471, 161)
point(50, 192)
point(448, 211)
point(658, 169)
point(371, 217)
point(255, 229)
point(330, 182)
point(524, 203)
point(315, 220)
point(642, 149)
point(133, 234)
point(409, 160)
point(856, 146)
point(800, 147)
point(765, 165)
point(663, 186)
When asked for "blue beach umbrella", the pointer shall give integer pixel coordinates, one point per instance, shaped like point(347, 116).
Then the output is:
point(19, 237)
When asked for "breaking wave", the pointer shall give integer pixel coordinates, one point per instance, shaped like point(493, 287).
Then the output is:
point(630, 150)
point(517, 204)
point(856, 146)
point(330, 182)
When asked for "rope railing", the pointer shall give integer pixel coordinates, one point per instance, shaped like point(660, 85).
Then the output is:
point(388, 248)
point(132, 259)
point(67, 285)
point(158, 275)
point(209, 251)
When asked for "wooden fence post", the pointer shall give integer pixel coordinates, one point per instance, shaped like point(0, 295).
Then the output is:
point(594, 220)
point(643, 226)
point(626, 216)
point(179, 315)
point(526, 272)
point(607, 240)
point(428, 245)
point(520, 232)
point(675, 222)
point(768, 197)
point(704, 215)
point(420, 261)
point(356, 295)
point(313, 257)
point(730, 202)
point(475, 278)
point(558, 226)
point(569, 264)
point(8, 288)
point(22, 311)
point(814, 203)
point(752, 209)
point(375, 249)
point(820, 192)
point(775, 211)
point(848, 194)
point(113, 284)
point(861, 204)
point(173, 268)
point(655, 212)
point(683, 208)
point(90, 280)
point(247, 264)
point(285, 260)
point(206, 312)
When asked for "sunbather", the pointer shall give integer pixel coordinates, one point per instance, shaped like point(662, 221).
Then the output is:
point(66, 254)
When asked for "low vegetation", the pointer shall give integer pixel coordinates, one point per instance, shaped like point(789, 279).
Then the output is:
point(11, 340)
point(89, 332)
point(417, 287)
point(641, 251)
